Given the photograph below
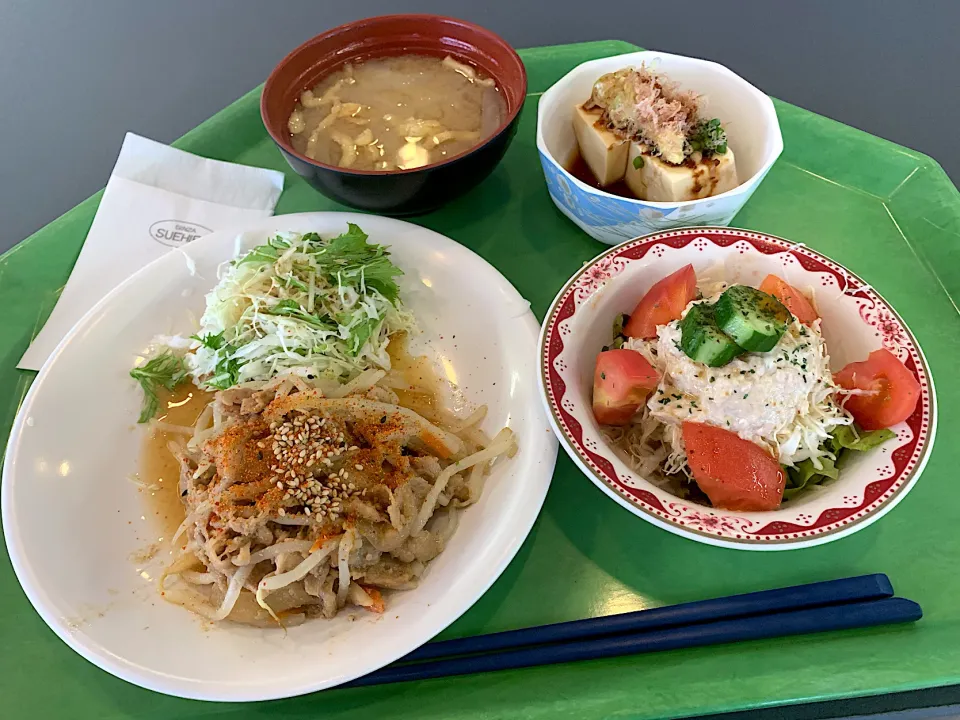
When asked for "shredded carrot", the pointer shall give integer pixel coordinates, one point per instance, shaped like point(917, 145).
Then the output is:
point(435, 445)
point(378, 605)
point(320, 541)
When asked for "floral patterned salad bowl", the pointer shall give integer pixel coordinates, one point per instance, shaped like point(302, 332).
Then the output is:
point(855, 320)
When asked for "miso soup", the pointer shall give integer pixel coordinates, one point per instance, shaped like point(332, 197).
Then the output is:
point(396, 113)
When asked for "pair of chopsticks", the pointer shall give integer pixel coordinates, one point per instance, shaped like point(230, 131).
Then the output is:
point(856, 602)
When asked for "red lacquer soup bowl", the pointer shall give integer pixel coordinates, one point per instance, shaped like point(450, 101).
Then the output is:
point(396, 192)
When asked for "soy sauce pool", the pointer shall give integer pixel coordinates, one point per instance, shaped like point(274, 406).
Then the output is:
point(578, 167)
point(159, 472)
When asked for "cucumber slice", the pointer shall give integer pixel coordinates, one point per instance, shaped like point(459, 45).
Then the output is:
point(756, 321)
point(702, 341)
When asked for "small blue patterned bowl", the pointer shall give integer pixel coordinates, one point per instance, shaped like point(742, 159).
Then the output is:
point(747, 114)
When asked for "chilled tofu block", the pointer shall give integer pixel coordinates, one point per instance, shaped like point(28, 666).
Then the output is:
point(604, 152)
point(652, 179)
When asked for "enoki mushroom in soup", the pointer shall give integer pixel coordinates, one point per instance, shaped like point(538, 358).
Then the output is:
point(396, 113)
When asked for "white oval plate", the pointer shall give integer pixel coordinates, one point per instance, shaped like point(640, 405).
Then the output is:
point(74, 524)
point(856, 321)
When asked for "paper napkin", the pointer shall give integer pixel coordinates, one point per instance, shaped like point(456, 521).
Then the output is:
point(157, 198)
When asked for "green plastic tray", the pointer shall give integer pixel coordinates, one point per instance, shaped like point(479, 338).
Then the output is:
point(888, 213)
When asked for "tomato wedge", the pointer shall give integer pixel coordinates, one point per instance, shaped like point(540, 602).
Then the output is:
point(622, 381)
point(663, 303)
point(734, 473)
point(794, 300)
point(894, 390)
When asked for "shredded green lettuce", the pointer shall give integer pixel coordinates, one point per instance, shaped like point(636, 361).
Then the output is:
point(843, 439)
point(848, 437)
point(619, 322)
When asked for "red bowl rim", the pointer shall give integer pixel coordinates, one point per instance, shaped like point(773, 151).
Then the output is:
point(287, 146)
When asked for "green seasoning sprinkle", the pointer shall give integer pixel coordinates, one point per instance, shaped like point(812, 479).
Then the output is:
point(638, 161)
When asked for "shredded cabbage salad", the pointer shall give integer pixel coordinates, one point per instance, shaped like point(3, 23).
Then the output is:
point(297, 304)
point(300, 304)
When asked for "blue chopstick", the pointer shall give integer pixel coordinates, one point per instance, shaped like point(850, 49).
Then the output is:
point(797, 622)
point(830, 592)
